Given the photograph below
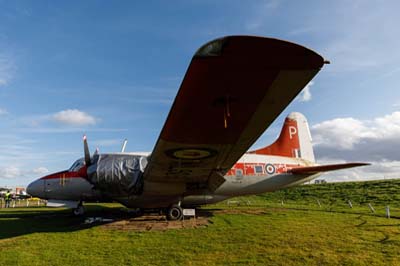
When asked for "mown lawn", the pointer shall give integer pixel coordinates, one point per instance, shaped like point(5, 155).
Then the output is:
point(299, 232)
point(271, 236)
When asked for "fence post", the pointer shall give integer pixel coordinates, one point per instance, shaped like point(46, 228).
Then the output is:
point(387, 212)
point(371, 208)
point(350, 205)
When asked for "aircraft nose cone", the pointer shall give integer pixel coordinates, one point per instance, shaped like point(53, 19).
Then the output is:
point(36, 188)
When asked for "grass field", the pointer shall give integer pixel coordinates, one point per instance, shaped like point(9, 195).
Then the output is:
point(299, 232)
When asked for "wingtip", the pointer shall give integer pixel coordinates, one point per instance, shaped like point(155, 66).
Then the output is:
point(356, 164)
point(326, 168)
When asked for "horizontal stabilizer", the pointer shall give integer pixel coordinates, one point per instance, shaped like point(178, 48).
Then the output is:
point(324, 168)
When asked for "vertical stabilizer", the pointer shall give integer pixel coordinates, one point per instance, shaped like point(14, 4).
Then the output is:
point(294, 140)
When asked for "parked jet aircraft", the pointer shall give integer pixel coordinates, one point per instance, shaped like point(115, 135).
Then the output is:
point(234, 88)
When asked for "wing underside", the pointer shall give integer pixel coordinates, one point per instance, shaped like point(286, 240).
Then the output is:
point(234, 88)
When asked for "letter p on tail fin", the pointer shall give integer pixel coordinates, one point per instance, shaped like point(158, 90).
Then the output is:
point(294, 140)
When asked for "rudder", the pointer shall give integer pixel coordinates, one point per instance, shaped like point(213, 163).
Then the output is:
point(294, 140)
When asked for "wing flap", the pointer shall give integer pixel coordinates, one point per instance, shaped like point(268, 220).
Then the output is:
point(325, 168)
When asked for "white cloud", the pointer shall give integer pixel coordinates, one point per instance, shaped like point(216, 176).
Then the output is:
point(108, 142)
point(57, 130)
point(7, 69)
point(74, 117)
point(377, 170)
point(348, 139)
point(339, 132)
point(2, 110)
point(3, 81)
point(343, 38)
point(40, 170)
point(351, 47)
point(16, 172)
point(346, 133)
point(258, 19)
point(303, 30)
point(10, 172)
point(305, 95)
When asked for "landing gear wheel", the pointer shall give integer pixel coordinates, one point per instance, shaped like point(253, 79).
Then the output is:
point(79, 210)
point(174, 213)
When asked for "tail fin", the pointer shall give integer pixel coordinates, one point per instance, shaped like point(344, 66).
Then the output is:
point(294, 140)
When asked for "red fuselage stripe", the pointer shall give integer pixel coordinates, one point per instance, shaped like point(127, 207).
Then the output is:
point(63, 175)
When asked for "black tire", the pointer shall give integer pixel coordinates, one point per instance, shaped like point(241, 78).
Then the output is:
point(174, 213)
point(79, 210)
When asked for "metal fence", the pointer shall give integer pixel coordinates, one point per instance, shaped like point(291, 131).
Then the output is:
point(23, 203)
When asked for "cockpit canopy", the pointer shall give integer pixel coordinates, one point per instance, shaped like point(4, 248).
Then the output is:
point(77, 165)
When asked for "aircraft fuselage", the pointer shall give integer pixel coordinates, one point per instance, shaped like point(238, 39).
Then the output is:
point(252, 174)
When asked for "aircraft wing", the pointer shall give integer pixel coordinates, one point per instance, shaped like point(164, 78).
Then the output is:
point(234, 88)
point(324, 168)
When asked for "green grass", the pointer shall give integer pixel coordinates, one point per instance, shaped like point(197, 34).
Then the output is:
point(381, 192)
point(264, 233)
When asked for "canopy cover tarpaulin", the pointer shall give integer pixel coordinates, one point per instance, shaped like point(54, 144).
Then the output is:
point(119, 174)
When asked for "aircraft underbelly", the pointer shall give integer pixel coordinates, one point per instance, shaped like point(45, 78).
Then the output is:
point(196, 200)
point(247, 185)
point(233, 187)
point(148, 201)
point(166, 201)
point(68, 189)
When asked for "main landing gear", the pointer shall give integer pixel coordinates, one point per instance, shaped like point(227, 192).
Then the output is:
point(79, 210)
point(174, 213)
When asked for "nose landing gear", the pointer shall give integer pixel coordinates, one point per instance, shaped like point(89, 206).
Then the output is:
point(79, 210)
point(174, 213)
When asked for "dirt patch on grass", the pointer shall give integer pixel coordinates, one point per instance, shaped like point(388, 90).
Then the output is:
point(156, 222)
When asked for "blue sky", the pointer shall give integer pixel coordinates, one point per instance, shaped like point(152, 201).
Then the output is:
point(112, 69)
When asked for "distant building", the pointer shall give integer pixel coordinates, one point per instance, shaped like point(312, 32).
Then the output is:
point(320, 181)
point(20, 190)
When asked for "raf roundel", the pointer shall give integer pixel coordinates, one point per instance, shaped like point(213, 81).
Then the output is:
point(270, 169)
point(191, 153)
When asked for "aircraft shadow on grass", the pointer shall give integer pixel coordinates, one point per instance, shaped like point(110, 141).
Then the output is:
point(16, 223)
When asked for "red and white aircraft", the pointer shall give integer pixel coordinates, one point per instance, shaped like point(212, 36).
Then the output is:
point(234, 88)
